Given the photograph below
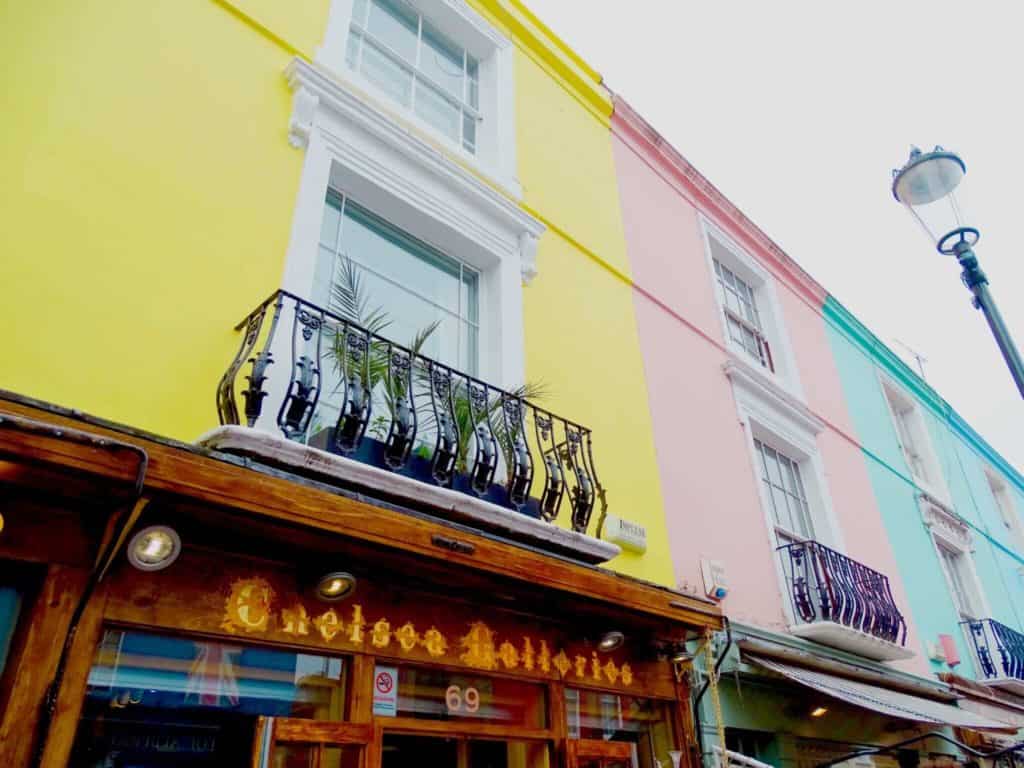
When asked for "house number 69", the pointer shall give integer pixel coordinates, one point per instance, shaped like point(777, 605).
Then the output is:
point(458, 700)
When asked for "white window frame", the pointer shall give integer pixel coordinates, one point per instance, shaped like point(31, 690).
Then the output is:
point(1002, 496)
point(358, 150)
point(495, 154)
point(949, 533)
point(769, 309)
point(914, 419)
point(774, 416)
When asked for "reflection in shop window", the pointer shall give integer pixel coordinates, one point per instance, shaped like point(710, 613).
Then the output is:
point(642, 722)
point(157, 701)
point(437, 694)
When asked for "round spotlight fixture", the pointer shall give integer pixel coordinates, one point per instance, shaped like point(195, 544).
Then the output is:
point(335, 586)
point(610, 641)
point(154, 548)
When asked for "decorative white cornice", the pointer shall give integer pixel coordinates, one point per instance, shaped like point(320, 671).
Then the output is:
point(771, 396)
point(315, 90)
point(945, 523)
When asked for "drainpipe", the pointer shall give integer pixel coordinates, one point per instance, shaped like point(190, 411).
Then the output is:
point(704, 688)
point(107, 551)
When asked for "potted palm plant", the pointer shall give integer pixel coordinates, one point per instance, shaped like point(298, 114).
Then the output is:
point(385, 392)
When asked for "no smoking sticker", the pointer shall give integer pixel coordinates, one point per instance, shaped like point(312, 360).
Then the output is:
point(385, 691)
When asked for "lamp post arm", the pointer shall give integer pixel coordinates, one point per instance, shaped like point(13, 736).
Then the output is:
point(975, 280)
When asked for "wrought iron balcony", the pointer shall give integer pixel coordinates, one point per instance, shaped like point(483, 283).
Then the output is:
point(321, 380)
point(840, 602)
point(999, 652)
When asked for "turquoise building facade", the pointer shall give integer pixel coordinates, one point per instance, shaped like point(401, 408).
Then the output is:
point(950, 503)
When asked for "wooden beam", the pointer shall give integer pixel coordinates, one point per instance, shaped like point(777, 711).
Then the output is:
point(179, 470)
point(46, 625)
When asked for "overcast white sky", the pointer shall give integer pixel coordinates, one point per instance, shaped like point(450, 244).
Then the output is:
point(798, 111)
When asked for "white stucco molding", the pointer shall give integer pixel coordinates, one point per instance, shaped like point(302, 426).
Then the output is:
point(945, 524)
point(316, 92)
point(782, 411)
point(357, 147)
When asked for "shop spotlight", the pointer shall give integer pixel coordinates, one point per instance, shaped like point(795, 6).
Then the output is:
point(681, 656)
point(610, 641)
point(819, 711)
point(154, 548)
point(335, 586)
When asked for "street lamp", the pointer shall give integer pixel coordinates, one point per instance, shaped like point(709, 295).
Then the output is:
point(926, 186)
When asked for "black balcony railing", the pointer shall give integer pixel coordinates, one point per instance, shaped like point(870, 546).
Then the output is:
point(343, 382)
point(999, 649)
point(825, 585)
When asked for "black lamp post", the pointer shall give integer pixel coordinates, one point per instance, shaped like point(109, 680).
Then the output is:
point(926, 186)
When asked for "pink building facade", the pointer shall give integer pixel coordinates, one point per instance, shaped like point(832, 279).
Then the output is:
point(755, 444)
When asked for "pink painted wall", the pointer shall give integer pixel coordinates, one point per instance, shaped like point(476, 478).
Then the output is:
point(704, 459)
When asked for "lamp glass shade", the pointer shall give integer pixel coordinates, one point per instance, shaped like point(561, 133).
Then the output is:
point(927, 187)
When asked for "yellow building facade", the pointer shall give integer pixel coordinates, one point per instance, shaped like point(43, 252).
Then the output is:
point(161, 162)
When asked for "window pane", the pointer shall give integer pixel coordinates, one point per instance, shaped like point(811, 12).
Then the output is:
point(355, 41)
point(438, 111)
point(396, 26)
point(612, 717)
point(469, 132)
point(150, 697)
point(473, 73)
point(436, 694)
point(359, 12)
point(295, 756)
point(340, 757)
point(442, 62)
point(394, 80)
point(371, 241)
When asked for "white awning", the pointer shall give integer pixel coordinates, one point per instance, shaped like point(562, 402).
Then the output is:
point(883, 700)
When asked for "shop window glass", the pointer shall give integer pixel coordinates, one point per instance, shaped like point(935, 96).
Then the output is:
point(155, 701)
point(645, 723)
point(434, 694)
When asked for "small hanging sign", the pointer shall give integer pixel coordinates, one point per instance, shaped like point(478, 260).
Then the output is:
point(385, 691)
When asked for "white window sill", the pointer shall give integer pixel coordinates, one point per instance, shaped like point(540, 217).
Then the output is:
point(444, 502)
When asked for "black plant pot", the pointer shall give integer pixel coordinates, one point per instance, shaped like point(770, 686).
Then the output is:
point(371, 451)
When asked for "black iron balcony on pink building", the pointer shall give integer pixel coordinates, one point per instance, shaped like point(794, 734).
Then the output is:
point(321, 381)
point(999, 653)
point(839, 602)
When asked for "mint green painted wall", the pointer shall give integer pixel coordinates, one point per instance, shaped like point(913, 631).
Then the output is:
point(962, 457)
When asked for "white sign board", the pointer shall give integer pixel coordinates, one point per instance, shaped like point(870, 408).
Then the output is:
point(385, 691)
point(626, 534)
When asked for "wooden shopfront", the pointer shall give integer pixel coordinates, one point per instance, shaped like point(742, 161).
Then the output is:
point(454, 649)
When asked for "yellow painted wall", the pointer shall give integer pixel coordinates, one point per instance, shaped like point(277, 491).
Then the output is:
point(581, 333)
point(147, 196)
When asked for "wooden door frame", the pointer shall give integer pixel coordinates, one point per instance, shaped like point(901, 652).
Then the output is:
point(602, 750)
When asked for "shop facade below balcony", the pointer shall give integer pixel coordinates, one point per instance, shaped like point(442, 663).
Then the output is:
point(326, 398)
point(998, 654)
point(839, 602)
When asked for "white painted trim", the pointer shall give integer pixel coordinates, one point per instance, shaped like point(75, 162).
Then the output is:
point(447, 503)
point(948, 530)
point(852, 640)
point(362, 152)
point(935, 488)
point(496, 146)
point(769, 307)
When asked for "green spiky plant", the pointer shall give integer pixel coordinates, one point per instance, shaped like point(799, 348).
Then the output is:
point(350, 299)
